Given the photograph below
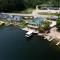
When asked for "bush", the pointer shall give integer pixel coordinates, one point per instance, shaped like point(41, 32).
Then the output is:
point(58, 23)
point(22, 24)
point(44, 27)
point(41, 30)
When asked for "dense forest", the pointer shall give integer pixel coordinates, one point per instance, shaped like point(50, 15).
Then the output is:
point(18, 5)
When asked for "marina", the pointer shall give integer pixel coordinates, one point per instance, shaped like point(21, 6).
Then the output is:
point(27, 44)
point(29, 30)
point(33, 25)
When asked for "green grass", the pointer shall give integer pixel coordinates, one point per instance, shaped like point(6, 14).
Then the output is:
point(27, 11)
point(51, 14)
point(22, 24)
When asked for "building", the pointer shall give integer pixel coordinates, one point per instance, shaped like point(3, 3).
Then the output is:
point(35, 23)
point(4, 16)
point(11, 17)
point(15, 18)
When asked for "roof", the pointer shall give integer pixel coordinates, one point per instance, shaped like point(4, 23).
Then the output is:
point(36, 21)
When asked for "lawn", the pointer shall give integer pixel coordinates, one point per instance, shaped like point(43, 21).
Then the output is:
point(22, 24)
point(27, 11)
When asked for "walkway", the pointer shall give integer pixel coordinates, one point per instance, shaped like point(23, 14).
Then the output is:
point(54, 33)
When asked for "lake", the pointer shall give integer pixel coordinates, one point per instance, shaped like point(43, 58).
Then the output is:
point(15, 46)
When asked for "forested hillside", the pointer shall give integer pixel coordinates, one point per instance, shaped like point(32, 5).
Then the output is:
point(18, 5)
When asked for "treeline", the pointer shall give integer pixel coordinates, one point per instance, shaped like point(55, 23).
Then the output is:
point(17, 5)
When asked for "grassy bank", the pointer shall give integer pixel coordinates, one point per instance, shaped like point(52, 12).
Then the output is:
point(27, 11)
point(51, 14)
point(21, 24)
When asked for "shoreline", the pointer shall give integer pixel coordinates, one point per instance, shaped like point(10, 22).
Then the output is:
point(54, 34)
point(54, 37)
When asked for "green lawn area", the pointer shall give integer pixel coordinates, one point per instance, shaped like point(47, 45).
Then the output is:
point(27, 11)
point(51, 14)
point(58, 22)
point(22, 24)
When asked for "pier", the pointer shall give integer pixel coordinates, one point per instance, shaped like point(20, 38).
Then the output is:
point(58, 43)
point(29, 33)
point(49, 38)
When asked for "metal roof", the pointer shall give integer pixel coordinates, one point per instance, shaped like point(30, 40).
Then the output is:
point(36, 21)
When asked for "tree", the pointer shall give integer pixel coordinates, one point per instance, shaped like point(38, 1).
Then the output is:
point(58, 23)
point(46, 25)
point(18, 5)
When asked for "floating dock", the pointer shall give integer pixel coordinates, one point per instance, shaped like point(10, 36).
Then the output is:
point(49, 38)
point(58, 43)
point(29, 33)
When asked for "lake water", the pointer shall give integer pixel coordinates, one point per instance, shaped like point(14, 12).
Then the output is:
point(15, 46)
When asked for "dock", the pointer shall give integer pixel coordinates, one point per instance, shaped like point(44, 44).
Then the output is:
point(58, 43)
point(49, 38)
point(29, 33)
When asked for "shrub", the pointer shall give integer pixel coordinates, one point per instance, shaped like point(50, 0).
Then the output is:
point(58, 23)
point(41, 30)
point(46, 25)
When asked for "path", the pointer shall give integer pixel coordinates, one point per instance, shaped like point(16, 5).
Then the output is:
point(54, 33)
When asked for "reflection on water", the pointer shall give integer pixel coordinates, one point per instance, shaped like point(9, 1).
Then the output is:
point(15, 46)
